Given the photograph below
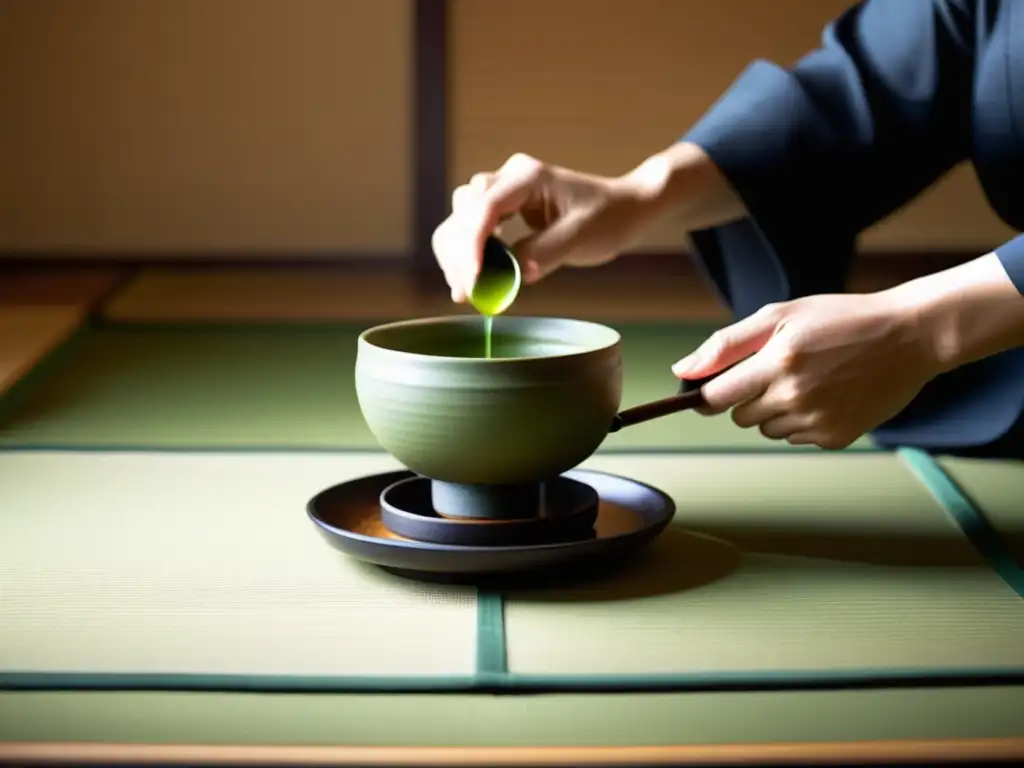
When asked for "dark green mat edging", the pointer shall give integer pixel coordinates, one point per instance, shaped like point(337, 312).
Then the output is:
point(491, 652)
point(775, 681)
point(969, 516)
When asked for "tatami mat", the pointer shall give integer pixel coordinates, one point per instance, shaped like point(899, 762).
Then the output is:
point(204, 564)
point(997, 487)
point(504, 722)
point(817, 563)
point(325, 293)
point(288, 387)
point(775, 568)
point(29, 333)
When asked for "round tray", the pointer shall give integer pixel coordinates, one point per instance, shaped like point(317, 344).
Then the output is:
point(630, 515)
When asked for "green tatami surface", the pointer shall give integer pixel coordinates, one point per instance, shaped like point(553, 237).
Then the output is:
point(287, 387)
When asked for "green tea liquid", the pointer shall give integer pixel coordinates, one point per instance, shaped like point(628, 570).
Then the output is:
point(488, 326)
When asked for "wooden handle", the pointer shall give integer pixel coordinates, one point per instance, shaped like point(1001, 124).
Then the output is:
point(689, 397)
point(684, 401)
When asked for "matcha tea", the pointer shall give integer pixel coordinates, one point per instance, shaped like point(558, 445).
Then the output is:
point(466, 343)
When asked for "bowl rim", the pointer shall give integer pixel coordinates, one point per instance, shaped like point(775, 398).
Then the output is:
point(614, 339)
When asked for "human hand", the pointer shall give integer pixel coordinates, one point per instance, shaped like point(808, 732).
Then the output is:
point(822, 370)
point(576, 219)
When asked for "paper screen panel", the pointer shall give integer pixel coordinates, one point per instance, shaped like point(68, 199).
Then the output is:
point(191, 126)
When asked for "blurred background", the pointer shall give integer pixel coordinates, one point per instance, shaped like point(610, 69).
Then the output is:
point(282, 159)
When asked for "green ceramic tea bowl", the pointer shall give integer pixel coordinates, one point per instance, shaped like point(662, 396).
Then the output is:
point(489, 431)
point(538, 407)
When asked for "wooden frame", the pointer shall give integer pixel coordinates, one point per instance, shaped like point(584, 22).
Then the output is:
point(430, 134)
point(836, 753)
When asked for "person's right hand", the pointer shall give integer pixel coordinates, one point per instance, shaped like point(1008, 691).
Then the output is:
point(576, 219)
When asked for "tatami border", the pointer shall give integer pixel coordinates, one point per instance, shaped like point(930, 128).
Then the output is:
point(969, 517)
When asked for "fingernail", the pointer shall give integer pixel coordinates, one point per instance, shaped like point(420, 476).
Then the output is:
point(685, 365)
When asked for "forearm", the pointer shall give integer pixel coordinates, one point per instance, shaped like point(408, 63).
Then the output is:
point(966, 313)
point(683, 184)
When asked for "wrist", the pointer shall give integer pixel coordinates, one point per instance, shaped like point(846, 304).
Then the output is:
point(683, 183)
point(963, 314)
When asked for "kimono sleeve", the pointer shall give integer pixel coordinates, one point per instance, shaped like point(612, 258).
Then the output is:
point(1011, 256)
point(821, 151)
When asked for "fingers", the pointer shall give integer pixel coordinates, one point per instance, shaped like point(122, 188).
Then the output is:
point(478, 208)
point(777, 391)
point(759, 410)
point(772, 413)
point(477, 186)
point(825, 440)
point(481, 182)
point(784, 426)
point(541, 252)
point(456, 243)
point(779, 400)
point(454, 259)
point(743, 382)
point(775, 422)
point(510, 189)
point(794, 428)
point(729, 345)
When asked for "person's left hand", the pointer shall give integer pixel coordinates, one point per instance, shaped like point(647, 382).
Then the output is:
point(822, 370)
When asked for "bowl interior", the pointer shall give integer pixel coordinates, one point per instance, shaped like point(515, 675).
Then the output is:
point(512, 338)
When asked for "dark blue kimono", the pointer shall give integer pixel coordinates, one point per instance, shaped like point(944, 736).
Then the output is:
point(899, 93)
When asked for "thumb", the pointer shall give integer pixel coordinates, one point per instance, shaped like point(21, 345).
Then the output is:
point(730, 345)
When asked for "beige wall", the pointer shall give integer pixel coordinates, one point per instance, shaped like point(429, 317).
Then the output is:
point(180, 125)
point(599, 84)
point(199, 125)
